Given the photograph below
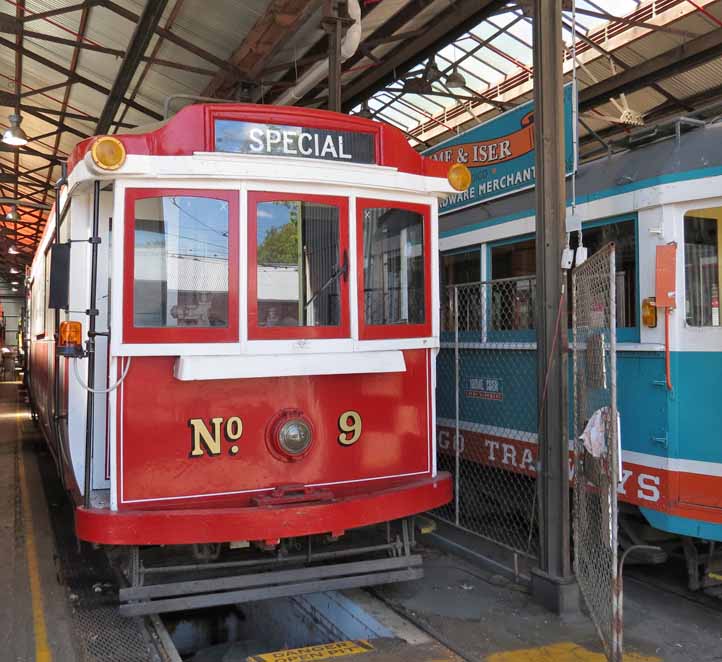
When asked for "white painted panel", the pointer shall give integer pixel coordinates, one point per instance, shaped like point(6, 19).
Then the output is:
point(192, 368)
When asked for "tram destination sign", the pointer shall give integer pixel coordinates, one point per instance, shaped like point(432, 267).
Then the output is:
point(500, 154)
point(296, 141)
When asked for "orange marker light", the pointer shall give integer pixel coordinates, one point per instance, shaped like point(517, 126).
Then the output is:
point(70, 339)
point(649, 313)
point(108, 153)
point(459, 176)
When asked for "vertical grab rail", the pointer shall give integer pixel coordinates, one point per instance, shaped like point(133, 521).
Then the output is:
point(56, 357)
point(92, 313)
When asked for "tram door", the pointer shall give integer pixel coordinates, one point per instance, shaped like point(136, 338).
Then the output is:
point(101, 449)
point(696, 369)
point(79, 223)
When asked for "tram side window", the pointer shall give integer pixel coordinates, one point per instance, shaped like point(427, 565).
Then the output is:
point(49, 316)
point(460, 269)
point(701, 266)
point(298, 269)
point(181, 262)
point(394, 265)
point(513, 291)
point(38, 301)
point(513, 300)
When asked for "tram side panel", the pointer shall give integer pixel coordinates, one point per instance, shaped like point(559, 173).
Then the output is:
point(499, 428)
point(670, 440)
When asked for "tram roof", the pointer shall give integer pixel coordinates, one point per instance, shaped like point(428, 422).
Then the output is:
point(75, 68)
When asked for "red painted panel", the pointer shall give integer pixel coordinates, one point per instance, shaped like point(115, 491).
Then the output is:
point(155, 437)
point(190, 130)
point(201, 525)
point(256, 332)
point(380, 331)
point(132, 334)
point(698, 490)
point(665, 283)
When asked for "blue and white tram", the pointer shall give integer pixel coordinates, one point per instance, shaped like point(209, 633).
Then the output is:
point(662, 192)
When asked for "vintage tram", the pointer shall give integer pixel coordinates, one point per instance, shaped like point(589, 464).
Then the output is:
point(233, 326)
point(663, 191)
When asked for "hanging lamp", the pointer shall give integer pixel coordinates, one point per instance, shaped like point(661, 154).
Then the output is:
point(14, 134)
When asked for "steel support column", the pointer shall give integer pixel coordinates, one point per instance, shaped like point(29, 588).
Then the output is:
point(333, 24)
point(553, 583)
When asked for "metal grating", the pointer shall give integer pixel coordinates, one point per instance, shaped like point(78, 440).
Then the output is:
point(486, 405)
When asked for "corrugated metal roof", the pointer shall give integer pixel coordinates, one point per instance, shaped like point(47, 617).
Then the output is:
point(196, 40)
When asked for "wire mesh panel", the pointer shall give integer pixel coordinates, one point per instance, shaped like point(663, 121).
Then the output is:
point(487, 410)
point(596, 453)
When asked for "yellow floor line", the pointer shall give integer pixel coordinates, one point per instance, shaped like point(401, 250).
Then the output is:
point(42, 650)
point(565, 651)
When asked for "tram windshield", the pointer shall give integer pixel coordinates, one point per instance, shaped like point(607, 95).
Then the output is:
point(393, 255)
point(181, 262)
point(298, 268)
point(701, 266)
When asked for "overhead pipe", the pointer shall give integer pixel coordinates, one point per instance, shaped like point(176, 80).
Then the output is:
point(319, 71)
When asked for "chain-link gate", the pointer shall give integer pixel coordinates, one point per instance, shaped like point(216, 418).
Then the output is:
point(596, 452)
point(487, 410)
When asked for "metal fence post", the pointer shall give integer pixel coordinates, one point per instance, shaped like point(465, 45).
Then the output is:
point(457, 444)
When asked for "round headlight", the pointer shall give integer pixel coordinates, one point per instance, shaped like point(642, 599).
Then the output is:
point(294, 437)
point(459, 177)
point(108, 153)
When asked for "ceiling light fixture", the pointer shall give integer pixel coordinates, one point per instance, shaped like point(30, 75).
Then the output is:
point(13, 270)
point(13, 251)
point(433, 73)
point(12, 215)
point(455, 80)
point(417, 86)
point(14, 134)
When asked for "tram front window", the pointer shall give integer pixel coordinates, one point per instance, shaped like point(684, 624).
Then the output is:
point(180, 262)
point(298, 269)
point(393, 254)
point(701, 266)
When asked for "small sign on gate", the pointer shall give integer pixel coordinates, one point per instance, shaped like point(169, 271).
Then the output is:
point(485, 388)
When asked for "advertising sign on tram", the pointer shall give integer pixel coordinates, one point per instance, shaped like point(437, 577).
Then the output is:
point(500, 154)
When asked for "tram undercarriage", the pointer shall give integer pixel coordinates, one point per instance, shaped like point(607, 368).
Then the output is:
point(172, 578)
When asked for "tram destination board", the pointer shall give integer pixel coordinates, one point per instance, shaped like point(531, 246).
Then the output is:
point(304, 142)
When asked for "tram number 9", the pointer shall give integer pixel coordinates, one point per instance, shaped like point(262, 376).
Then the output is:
point(350, 425)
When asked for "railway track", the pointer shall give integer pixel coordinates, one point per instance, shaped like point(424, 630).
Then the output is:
point(659, 578)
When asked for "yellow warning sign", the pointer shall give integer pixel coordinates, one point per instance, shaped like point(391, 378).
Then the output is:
point(315, 653)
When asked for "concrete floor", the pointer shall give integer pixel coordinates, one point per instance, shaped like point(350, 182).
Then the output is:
point(477, 614)
point(487, 616)
point(35, 621)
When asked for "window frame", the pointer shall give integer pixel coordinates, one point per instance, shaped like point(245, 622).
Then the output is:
point(690, 212)
point(393, 331)
point(167, 335)
point(628, 334)
point(256, 332)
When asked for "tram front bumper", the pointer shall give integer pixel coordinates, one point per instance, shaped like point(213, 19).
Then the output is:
point(186, 526)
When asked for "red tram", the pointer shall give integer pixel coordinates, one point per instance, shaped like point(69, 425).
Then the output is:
point(233, 325)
